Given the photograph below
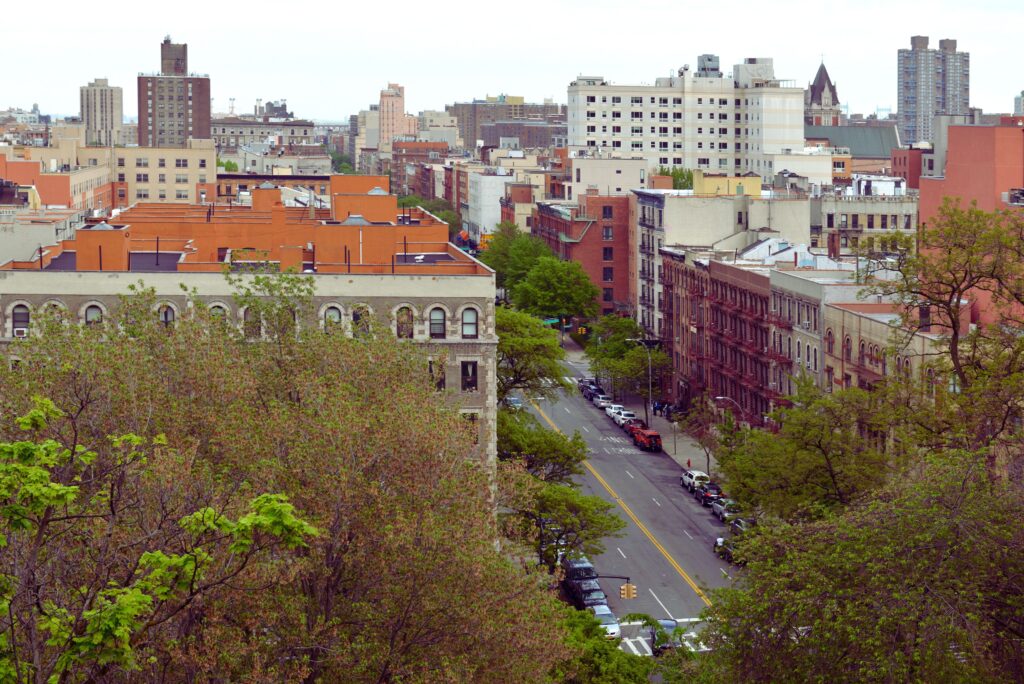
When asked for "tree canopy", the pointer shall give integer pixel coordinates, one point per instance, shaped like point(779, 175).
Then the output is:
point(554, 288)
point(529, 356)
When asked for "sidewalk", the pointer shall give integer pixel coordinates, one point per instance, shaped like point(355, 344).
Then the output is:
point(678, 446)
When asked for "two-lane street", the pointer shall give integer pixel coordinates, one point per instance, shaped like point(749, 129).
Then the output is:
point(666, 547)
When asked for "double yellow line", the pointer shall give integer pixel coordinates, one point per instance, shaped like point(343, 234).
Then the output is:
point(632, 516)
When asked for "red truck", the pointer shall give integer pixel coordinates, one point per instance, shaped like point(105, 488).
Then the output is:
point(648, 440)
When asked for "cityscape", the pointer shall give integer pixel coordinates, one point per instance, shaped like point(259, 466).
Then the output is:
point(701, 376)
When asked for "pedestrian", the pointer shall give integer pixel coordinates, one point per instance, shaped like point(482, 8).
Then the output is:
point(688, 466)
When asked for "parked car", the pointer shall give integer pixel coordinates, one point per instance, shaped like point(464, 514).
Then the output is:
point(633, 424)
point(622, 416)
point(576, 569)
point(602, 400)
point(590, 390)
point(586, 593)
point(608, 620)
point(741, 525)
point(585, 382)
point(611, 409)
point(708, 493)
point(692, 479)
point(648, 440)
point(725, 509)
point(514, 403)
point(725, 549)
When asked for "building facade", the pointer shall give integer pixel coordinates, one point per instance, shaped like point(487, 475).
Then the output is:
point(236, 132)
point(821, 101)
point(693, 120)
point(174, 105)
point(930, 82)
point(102, 112)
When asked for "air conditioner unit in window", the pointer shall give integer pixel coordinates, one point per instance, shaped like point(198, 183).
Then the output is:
point(21, 332)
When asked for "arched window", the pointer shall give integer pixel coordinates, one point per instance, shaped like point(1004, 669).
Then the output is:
point(403, 323)
point(848, 349)
point(166, 315)
point(93, 315)
point(815, 358)
point(20, 319)
point(218, 311)
point(830, 342)
point(332, 317)
point(469, 324)
point(360, 320)
point(860, 353)
point(250, 324)
point(437, 324)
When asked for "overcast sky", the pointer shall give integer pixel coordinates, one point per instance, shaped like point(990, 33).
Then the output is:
point(330, 60)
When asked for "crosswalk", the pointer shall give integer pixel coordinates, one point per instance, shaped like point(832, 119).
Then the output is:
point(636, 639)
point(551, 382)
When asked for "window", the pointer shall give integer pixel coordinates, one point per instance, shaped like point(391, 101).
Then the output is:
point(403, 323)
point(181, 194)
point(202, 163)
point(436, 371)
point(93, 315)
point(180, 178)
point(141, 163)
point(848, 349)
point(437, 324)
point(161, 163)
point(142, 194)
point(606, 233)
point(606, 211)
point(181, 163)
point(360, 321)
point(469, 324)
point(332, 317)
point(607, 294)
point(142, 178)
point(20, 319)
point(120, 161)
point(469, 376)
point(608, 274)
point(120, 178)
point(606, 253)
point(250, 324)
point(166, 315)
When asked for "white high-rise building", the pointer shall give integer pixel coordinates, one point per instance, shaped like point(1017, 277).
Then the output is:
point(1018, 104)
point(930, 83)
point(102, 111)
point(747, 121)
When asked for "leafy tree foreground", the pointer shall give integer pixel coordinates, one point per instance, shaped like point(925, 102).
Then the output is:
point(296, 509)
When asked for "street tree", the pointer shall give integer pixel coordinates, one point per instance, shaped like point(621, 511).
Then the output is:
point(512, 254)
point(573, 522)
point(702, 423)
point(547, 455)
point(829, 450)
point(556, 289)
point(529, 356)
point(599, 660)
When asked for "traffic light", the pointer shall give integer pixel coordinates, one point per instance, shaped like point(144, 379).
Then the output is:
point(627, 591)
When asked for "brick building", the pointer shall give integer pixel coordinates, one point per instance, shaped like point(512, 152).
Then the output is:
point(405, 153)
point(174, 105)
point(594, 234)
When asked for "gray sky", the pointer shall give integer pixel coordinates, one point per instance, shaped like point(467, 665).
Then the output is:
point(331, 59)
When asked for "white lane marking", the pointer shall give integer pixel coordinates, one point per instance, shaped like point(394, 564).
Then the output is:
point(655, 501)
point(620, 552)
point(629, 642)
point(569, 378)
point(630, 474)
point(647, 647)
point(606, 450)
point(725, 573)
point(567, 410)
point(668, 614)
point(687, 534)
point(584, 428)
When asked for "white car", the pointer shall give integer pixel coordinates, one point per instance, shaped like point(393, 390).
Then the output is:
point(602, 400)
point(692, 479)
point(622, 416)
point(611, 409)
point(608, 620)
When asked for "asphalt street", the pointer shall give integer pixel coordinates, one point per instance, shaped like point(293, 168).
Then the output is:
point(666, 547)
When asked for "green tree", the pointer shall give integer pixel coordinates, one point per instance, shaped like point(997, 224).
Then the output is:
point(512, 254)
point(546, 454)
point(227, 165)
point(573, 522)
point(529, 356)
point(682, 179)
point(453, 220)
point(341, 163)
point(616, 355)
point(598, 660)
point(554, 288)
point(829, 450)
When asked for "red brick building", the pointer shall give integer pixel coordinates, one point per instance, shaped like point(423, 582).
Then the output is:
point(595, 235)
point(908, 162)
point(410, 153)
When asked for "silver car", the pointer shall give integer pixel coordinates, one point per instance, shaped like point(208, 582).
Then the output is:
point(608, 620)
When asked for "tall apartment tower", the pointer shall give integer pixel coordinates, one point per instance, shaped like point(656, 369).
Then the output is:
point(930, 82)
point(1018, 104)
point(393, 119)
point(174, 105)
point(102, 111)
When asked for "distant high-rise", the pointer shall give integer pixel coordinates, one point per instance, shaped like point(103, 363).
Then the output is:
point(174, 105)
point(394, 121)
point(930, 82)
point(102, 111)
point(1018, 104)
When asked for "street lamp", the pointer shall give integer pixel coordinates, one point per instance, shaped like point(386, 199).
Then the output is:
point(735, 403)
point(647, 344)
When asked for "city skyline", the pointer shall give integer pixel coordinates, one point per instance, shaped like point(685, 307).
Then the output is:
point(307, 64)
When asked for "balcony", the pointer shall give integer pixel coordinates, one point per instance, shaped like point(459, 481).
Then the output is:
point(646, 249)
point(647, 276)
point(778, 357)
point(778, 321)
